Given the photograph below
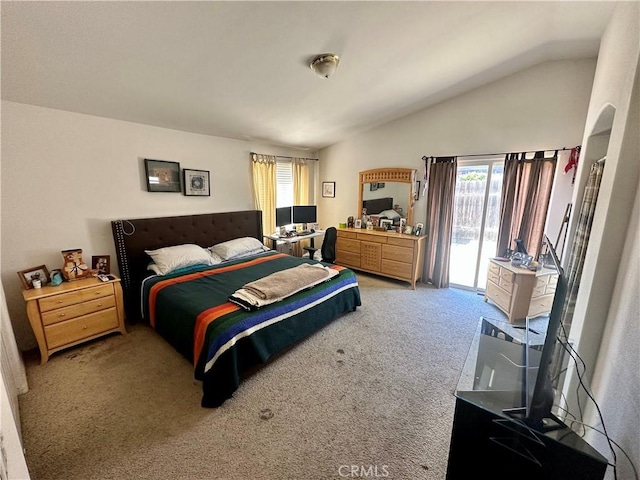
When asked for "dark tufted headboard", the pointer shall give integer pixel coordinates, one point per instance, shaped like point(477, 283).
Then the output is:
point(132, 237)
point(377, 205)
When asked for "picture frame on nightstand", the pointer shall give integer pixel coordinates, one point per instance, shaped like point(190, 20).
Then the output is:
point(101, 263)
point(36, 273)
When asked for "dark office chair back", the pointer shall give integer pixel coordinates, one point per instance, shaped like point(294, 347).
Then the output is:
point(328, 249)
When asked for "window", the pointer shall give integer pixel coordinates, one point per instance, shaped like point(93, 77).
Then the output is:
point(284, 184)
point(475, 221)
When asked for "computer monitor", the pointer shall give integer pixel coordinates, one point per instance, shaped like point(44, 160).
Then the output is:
point(283, 216)
point(304, 214)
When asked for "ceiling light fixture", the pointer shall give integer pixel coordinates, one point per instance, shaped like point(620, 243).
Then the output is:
point(325, 65)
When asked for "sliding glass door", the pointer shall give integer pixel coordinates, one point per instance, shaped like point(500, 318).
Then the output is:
point(475, 221)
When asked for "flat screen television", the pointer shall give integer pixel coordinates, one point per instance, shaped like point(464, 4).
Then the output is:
point(283, 216)
point(541, 368)
point(304, 214)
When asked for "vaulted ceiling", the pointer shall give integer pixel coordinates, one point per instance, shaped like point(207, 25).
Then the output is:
point(240, 69)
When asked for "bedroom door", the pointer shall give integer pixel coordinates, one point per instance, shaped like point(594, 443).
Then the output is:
point(475, 221)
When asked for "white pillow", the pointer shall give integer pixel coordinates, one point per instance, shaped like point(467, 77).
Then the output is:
point(168, 259)
point(391, 214)
point(215, 259)
point(238, 247)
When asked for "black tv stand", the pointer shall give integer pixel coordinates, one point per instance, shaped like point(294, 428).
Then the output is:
point(547, 424)
point(493, 445)
point(492, 434)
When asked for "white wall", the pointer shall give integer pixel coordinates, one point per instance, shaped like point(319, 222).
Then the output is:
point(13, 382)
point(65, 176)
point(561, 196)
point(606, 319)
point(541, 107)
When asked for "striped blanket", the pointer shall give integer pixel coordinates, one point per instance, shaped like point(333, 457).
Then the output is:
point(193, 313)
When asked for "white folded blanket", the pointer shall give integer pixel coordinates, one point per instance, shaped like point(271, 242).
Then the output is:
point(279, 285)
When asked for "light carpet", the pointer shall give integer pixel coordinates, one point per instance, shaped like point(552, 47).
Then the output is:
point(371, 393)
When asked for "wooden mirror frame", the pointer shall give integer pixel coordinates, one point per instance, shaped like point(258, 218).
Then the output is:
point(399, 175)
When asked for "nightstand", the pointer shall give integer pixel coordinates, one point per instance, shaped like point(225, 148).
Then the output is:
point(73, 313)
point(520, 292)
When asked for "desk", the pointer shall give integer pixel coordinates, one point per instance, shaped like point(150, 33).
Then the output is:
point(294, 241)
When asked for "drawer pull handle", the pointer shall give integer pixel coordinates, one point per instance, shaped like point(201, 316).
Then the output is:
point(60, 301)
point(99, 304)
point(62, 314)
point(84, 327)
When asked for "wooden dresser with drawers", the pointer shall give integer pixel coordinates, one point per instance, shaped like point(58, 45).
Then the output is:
point(73, 313)
point(390, 254)
point(520, 292)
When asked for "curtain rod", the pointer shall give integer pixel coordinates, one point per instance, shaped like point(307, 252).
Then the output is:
point(500, 153)
point(288, 158)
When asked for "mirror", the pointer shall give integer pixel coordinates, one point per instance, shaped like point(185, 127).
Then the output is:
point(387, 189)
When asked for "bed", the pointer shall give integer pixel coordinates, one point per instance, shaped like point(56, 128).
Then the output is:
point(190, 307)
point(377, 205)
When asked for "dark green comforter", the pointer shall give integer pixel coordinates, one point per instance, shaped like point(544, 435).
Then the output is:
point(224, 341)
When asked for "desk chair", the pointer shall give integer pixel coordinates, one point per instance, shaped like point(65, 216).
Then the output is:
point(328, 249)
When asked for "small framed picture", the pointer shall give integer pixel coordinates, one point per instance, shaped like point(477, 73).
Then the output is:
point(162, 176)
point(36, 273)
point(386, 223)
point(418, 230)
point(408, 230)
point(358, 223)
point(403, 223)
point(373, 187)
point(101, 263)
point(196, 183)
point(329, 189)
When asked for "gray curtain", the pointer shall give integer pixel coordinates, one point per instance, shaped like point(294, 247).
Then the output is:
point(439, 221)
point(580, 241)
point(526, 190)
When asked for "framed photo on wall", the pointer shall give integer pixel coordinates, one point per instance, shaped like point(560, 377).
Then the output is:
point(36, 273)
point(196, 182)
point(329, 189)
point(162, 176)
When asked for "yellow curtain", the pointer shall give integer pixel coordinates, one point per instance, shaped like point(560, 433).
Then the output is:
point(300, 181)
point(264, 189)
